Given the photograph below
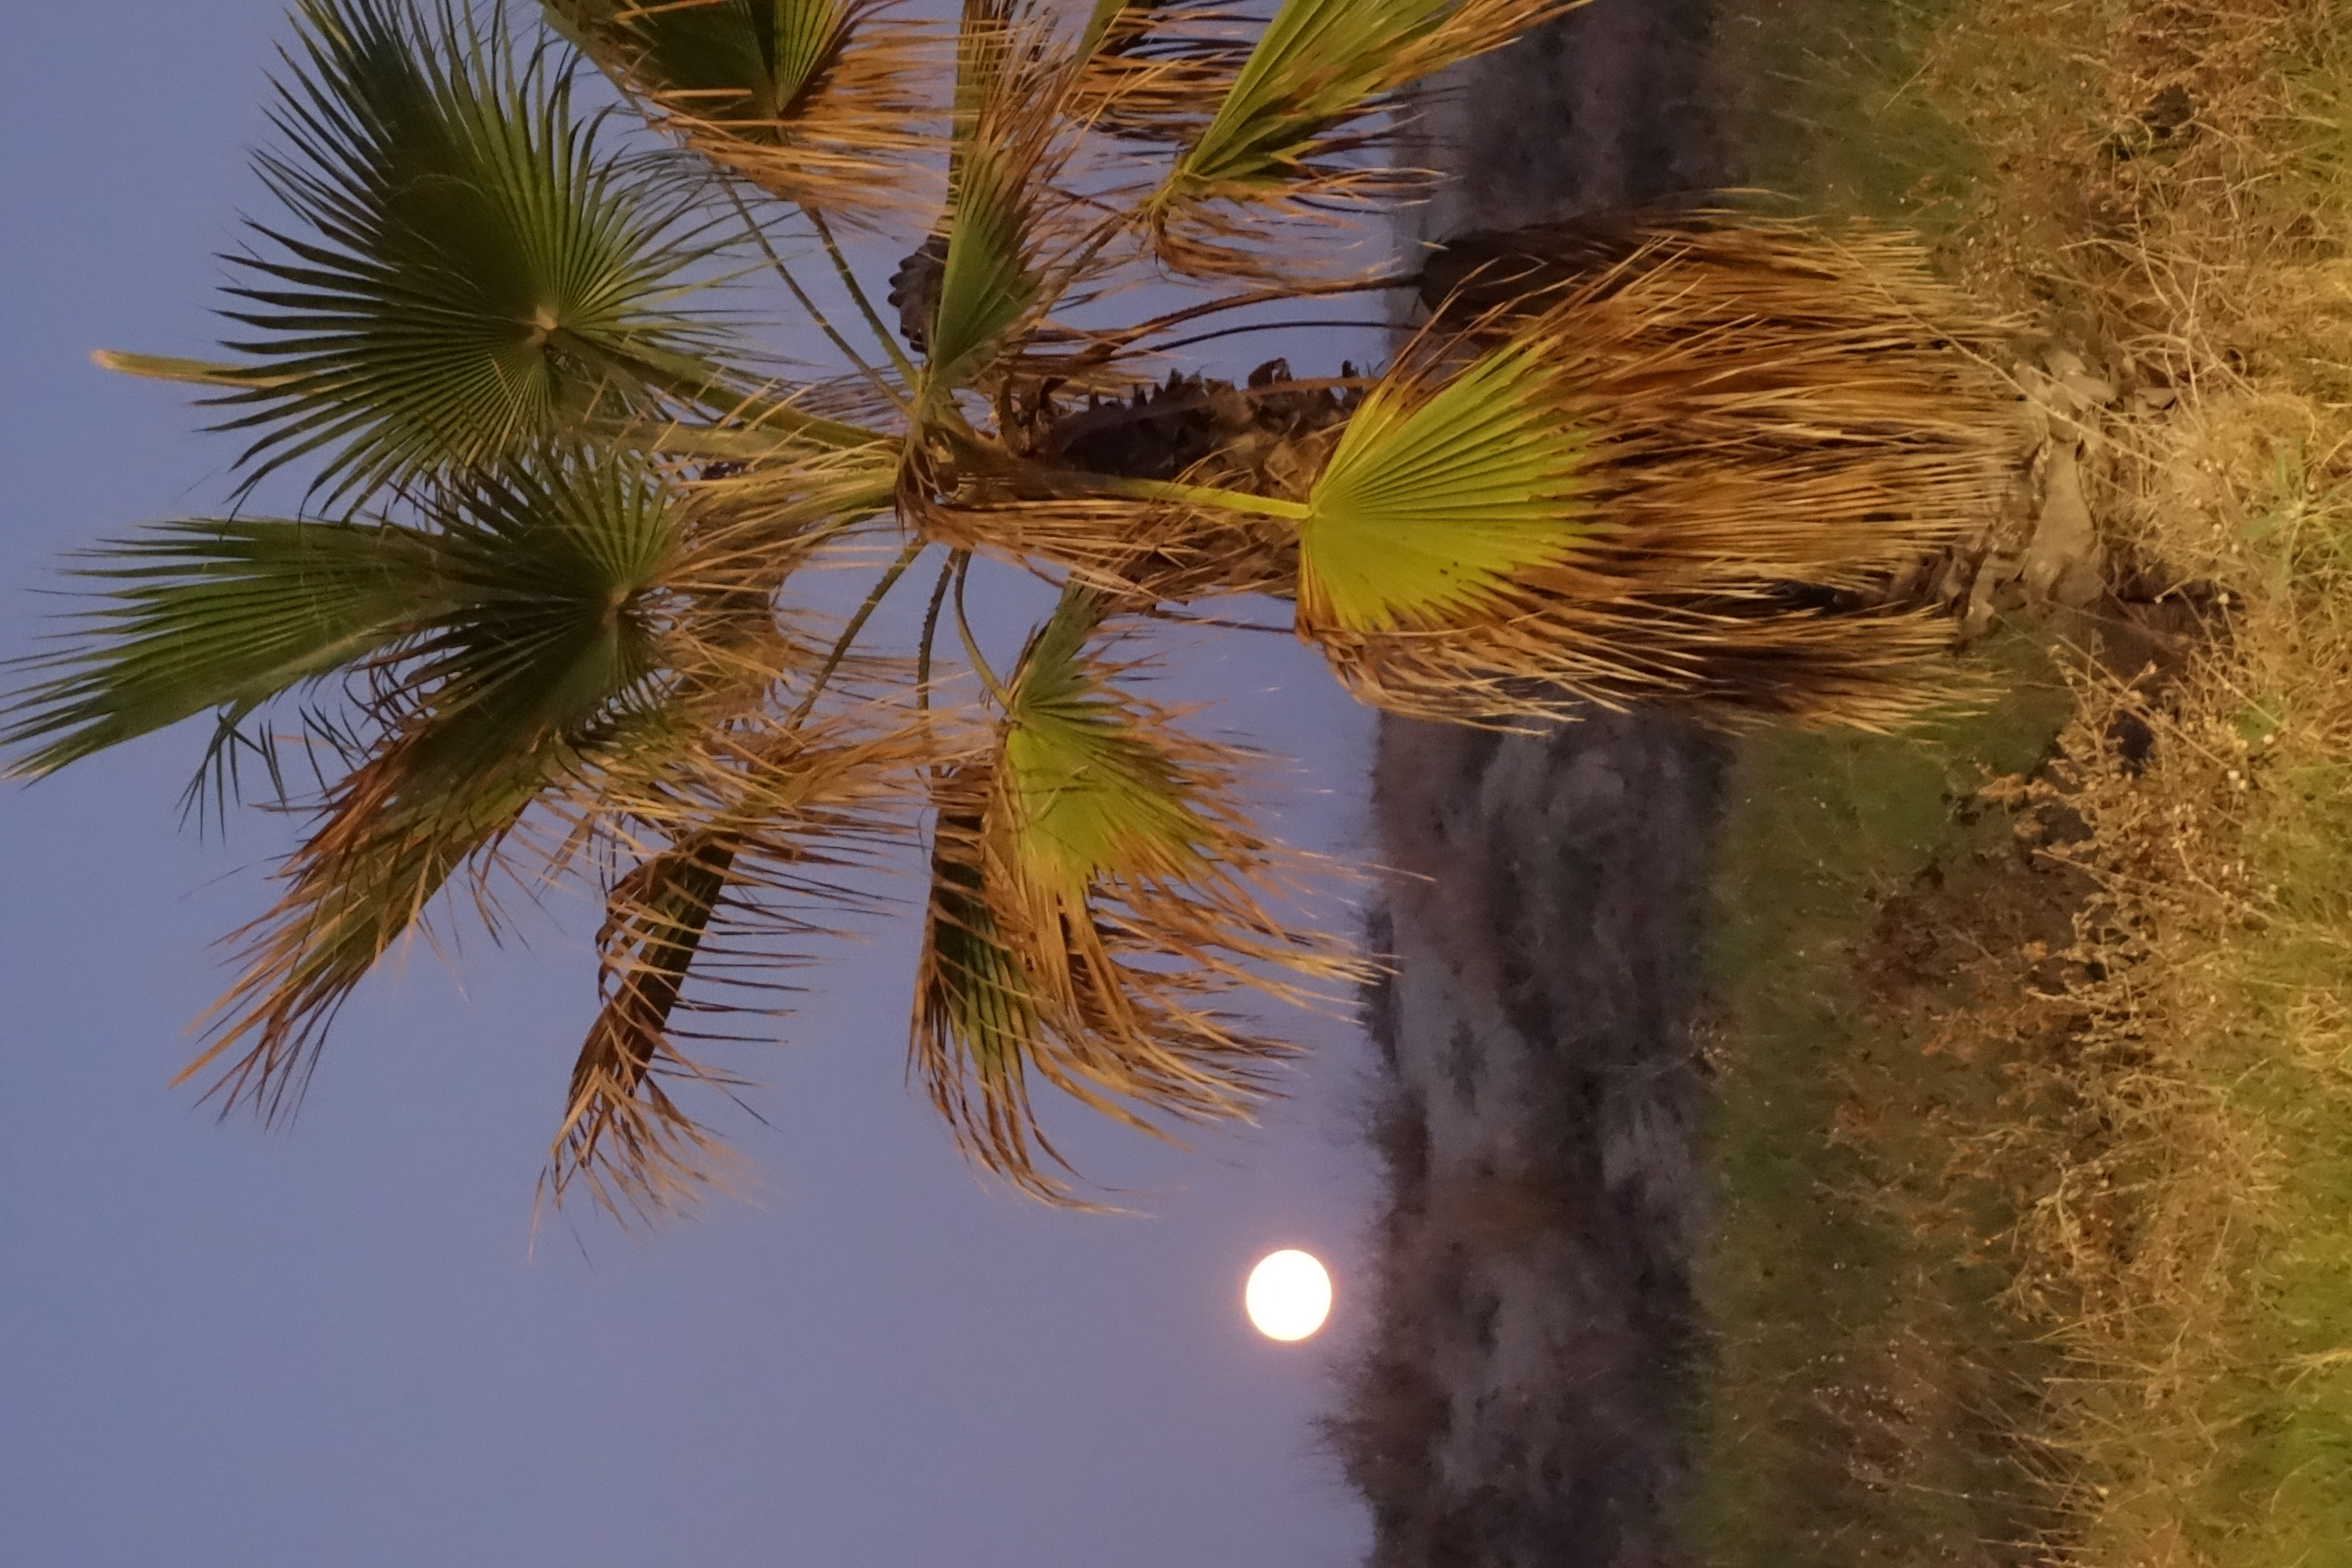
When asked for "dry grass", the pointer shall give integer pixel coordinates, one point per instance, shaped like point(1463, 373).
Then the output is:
point(2082, 1094)
point(2188, 1245)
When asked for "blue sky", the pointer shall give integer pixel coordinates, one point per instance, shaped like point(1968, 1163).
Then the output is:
point(341, 1344)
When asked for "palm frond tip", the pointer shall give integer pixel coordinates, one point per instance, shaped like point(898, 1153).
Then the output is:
point(1097, 899)
point(817, 102)
point(1287, 131)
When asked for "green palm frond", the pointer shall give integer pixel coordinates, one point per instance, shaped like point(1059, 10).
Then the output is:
point(1096, 897)
point(472, 270)
point(227, 614)
point(1008, 140)
point(1299, 108)
point(986, 288)
point(1434, 505)
point(543, 666)
point(815, 102)
point(977, 1025)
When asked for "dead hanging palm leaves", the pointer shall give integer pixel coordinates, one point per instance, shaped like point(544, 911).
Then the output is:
point(1156, 69)
point(535, 662)
point(817, 102)
point(741, 843)
point(1095, 898)
point(1742, 436)
point(1287, 134)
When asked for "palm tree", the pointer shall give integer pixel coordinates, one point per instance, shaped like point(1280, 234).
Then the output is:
point(551, 612)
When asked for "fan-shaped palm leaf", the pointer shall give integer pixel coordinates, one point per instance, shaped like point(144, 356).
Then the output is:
point(1008, 139)
point(1433, 506)
point(1691, 477)
point(1095, 895)
point(228, 615)
point(473, 270)
point(542, 665)
point(1287, 128)
point(812, 100)
point(986, 287)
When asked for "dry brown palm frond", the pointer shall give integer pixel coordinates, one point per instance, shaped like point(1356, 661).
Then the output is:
point(1098, 900)
point(830, 105)
point(382, 852)
point(1755, 428)
point(623, 1135)
point(733, 847)
point(1161, 68)
point(1284, 150)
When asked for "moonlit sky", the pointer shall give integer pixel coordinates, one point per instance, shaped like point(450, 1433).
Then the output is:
point(340, 1344)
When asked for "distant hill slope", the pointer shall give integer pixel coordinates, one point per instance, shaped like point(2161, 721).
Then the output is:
point(1519, 1406)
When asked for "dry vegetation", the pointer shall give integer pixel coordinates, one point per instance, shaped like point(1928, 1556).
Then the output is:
point(2036, 1154)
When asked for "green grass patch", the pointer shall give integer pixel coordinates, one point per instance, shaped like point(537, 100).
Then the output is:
point(2032, 1146)
point(1825, 105)
point(1865, 1384)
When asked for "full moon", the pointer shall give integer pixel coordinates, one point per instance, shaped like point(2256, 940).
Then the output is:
point(1288, 1296)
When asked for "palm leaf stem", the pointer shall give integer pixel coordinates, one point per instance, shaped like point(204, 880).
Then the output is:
point(824, 323)
point(979, 664)
point(1137, 334)
point(848, 276)
point(947, 571)
point(716, 443)
point(1270, 327)
point(849, 636)
point(1183, 494)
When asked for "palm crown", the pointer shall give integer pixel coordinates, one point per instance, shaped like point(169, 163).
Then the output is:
point(552, 617)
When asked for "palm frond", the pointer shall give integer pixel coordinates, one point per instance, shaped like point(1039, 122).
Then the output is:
point(1287, 130)
point(817, 102)
point(1157, 70)
point(1696, 477)
point(738, 835)
point(624, 1135)
point(544, 665)
point(227, 614)
point(1096, 899)
point(986, 287)
point(471, 270)
point(1008, 139)
point(1435, 502)
point(191, 371)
